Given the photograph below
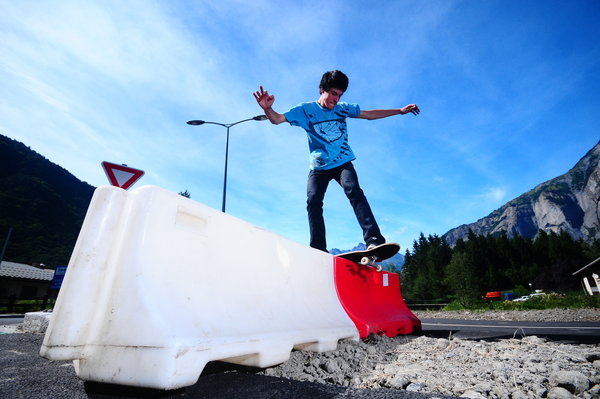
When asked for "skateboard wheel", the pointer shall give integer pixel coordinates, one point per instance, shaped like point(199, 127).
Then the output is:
point(379, 268)
point(365, 260)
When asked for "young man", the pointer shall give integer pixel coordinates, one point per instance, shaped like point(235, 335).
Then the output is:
point(330, 155)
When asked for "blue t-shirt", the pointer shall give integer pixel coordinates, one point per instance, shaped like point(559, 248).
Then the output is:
point(327, 132)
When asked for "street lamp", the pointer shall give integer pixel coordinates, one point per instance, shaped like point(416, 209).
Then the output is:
point(227, 126)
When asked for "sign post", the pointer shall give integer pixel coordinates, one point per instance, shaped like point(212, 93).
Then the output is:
point(121, 175)
point(59, 275)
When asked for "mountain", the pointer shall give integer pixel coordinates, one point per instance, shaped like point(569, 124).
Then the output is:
point(569, 202)
point(43, 203)
point(397, 260)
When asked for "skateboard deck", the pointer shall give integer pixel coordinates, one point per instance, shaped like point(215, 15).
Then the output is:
point(372, 256)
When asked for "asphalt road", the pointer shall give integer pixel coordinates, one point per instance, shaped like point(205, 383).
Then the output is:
point(24, 374)
point(564, 332)
point(11, 319)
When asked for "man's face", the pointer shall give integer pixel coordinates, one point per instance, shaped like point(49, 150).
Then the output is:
point(330, 98)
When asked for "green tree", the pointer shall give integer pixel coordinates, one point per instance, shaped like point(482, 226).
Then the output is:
point(565, 256)
point(462, 278)
point(493, 263)
point(523, 267)
point(423, 270)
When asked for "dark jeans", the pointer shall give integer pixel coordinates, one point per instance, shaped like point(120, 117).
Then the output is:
point(345, 175)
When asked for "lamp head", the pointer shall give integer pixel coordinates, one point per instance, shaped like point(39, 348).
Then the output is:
point(260, 118)
point(195, 122)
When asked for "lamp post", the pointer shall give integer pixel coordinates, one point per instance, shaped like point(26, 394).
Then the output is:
point(227, 126)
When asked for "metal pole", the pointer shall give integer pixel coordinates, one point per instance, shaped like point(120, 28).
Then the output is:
point(5, 244)
point(225, 174)
point(228, 125)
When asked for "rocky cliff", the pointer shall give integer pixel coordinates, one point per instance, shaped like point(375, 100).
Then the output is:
point(569, 202)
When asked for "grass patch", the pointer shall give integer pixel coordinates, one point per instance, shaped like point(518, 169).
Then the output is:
point(571, 300)
point(27, 305)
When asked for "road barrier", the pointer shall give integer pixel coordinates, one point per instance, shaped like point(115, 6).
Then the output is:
point(158, 285)
point(373, 300)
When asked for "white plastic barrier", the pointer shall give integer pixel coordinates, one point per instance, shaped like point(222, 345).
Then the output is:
point(158, 285)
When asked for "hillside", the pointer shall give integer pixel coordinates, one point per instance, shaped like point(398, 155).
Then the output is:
point(566, 203)
point(42, 202)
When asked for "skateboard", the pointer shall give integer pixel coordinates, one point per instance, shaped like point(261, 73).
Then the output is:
point(372, 257)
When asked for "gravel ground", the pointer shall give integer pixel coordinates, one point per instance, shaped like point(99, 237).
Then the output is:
point(548, 315)
point(514, 369)
point(530, 367)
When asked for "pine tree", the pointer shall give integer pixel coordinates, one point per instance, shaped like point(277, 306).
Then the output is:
point(461, 277)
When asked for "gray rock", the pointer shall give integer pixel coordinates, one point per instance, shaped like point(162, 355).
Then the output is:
point(534, 340)
point(414, 387)
point(559, 393)
point(592, 357)
point(36, 322)
point(399, 381)
point(483, 387)
point(573, 381)
point(539, 391)
point(500, 392)
point(519, 395)
point(539, 369)
point(442, 343)
point(594, 392)
point(331, 366)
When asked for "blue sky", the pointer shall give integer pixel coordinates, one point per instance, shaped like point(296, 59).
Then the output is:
point(508, 92)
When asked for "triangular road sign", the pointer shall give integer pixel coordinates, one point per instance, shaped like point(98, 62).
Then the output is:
point(121, 175)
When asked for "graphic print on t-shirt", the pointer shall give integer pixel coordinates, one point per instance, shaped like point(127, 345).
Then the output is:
point(344, 152)
point(331, 130)
point(327, 132)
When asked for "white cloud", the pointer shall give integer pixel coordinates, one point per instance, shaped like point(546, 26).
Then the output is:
point(494, 195)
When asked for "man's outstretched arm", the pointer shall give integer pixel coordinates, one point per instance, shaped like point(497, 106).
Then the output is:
point(266, 103)
point(384, 113)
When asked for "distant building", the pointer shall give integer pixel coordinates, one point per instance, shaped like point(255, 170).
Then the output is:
point(590, 277)
point(24, 281)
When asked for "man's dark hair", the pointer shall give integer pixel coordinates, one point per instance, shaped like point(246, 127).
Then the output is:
point(334, 80)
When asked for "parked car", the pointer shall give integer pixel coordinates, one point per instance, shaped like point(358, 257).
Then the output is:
point(527, 297)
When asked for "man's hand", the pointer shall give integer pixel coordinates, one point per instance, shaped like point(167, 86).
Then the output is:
point(266, 103)
point(412, 108)
point(264, 99)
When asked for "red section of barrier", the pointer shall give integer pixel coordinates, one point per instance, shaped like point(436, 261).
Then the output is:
point(373, 300)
